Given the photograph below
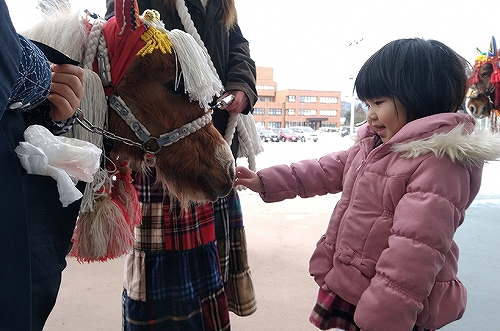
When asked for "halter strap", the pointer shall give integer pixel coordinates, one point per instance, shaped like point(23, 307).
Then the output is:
point(144, 135)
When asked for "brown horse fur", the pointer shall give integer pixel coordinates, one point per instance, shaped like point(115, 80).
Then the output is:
point(480, 106)
point(196, 168)
point(484, 75)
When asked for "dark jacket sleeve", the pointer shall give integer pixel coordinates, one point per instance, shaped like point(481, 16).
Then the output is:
point(9, 58)
point(241, 72)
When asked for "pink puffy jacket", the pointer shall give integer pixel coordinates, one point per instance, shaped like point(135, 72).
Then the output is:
point(389, 247)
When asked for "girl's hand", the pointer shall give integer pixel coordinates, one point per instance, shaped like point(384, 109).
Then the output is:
point(66, 91)
point(249, 179)
point(240, 102)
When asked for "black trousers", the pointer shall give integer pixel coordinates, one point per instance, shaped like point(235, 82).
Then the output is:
point(51, 228)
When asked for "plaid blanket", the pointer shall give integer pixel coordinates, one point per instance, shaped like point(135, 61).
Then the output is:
point(172, 276)
point(232, 248)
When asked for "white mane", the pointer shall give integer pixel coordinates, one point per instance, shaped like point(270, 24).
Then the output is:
point(66, 33)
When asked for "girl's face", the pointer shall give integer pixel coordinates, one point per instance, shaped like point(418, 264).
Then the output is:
point(386, 116)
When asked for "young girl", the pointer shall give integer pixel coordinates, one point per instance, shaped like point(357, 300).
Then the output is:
point(387, 261)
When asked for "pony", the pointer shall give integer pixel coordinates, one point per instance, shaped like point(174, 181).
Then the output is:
point(144, 84)
point(148, 96)
point(483, 95)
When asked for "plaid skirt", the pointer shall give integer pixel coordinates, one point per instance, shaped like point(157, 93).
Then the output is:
point(333, 312)
point(172, 276)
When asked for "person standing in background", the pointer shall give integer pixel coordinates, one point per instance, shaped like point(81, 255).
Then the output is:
point(216, 23)
point(35, 230)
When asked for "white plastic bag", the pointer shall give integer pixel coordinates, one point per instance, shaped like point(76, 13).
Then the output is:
point(67, 160)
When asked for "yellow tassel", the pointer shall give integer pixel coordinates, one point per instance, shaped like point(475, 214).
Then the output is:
point(155, 39)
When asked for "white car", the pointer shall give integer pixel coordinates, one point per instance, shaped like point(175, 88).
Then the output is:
point(305, 133)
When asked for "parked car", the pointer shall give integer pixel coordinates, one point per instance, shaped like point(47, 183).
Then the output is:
point(286, 134)
point(268, 135)
point(346, 130)
point(325, 129)
point(305, 133)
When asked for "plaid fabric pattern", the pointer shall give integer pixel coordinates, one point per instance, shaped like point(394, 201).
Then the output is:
point(232, 248)
point(165, 226)
point(183, 275)
point(333, 312)
point(172, 277)
point(209, 313)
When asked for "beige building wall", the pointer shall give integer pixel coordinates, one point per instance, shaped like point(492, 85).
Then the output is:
point(292, 107)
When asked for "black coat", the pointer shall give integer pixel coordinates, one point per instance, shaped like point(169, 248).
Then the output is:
point(35, 230)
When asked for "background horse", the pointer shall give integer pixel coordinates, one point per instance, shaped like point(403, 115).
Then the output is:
point(139, 66)
point(484, 92)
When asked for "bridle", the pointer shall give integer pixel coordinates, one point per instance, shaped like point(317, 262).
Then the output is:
point(118, 104)
point(166, 139)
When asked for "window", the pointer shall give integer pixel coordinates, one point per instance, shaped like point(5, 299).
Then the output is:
point(290, 111)
point(265, 87)
point(308, 99)
point(274, 125)
point(307, 112)
point(259, 111)
point(328, 100)
point(274, 111)
point(290, 98)
point(265, 99)
point(328, 112)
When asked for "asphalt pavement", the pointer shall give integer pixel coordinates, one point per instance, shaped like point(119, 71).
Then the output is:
point(281, 236)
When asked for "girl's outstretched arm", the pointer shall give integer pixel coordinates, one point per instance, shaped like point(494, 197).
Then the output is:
point(249, 179)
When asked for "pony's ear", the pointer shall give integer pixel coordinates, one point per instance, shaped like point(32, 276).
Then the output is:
point(127, 16)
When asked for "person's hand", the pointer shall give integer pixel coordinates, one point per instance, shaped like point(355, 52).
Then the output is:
point(66, 91)
point(248, 179)
point(240, 102)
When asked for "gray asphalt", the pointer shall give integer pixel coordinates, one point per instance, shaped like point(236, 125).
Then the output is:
point(281, 237)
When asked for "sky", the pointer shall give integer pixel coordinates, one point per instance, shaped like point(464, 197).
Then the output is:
point(321, 44)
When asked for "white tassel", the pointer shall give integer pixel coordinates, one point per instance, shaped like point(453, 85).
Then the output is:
point(199, 80)
point(95, 109)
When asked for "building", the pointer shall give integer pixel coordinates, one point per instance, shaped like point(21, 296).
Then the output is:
point(286, 108)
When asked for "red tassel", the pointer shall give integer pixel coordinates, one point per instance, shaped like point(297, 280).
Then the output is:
point(124, 192)
point(103, 233)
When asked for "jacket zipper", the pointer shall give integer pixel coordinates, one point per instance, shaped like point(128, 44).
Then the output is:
point(353, 190)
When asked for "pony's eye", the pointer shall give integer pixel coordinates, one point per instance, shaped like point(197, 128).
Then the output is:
point(172, 88)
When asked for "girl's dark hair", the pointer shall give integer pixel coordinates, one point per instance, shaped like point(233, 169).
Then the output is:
point(426, 76)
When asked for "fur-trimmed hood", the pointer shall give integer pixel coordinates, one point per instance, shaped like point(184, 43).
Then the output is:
point(451, 134)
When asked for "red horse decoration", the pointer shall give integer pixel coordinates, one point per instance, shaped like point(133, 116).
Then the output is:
point(484, 92)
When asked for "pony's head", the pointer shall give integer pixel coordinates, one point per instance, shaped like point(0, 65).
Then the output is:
point(484, 90)
point(164, 81)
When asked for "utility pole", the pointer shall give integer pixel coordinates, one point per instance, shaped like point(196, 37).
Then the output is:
point(353, 97)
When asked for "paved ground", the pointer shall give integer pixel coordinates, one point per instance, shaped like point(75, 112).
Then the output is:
point(281, 237)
